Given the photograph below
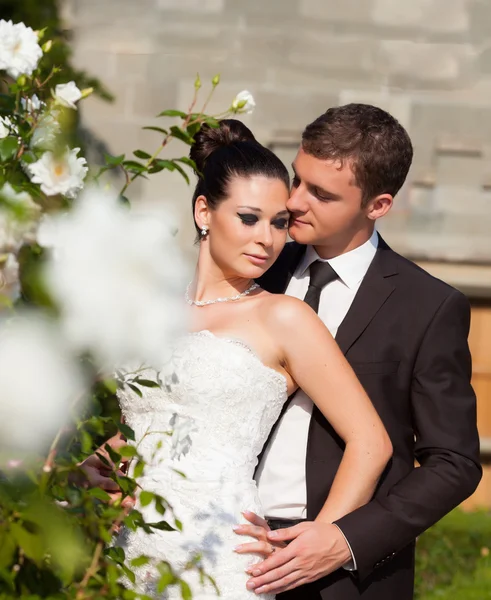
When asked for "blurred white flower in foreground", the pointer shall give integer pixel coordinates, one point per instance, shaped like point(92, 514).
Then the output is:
point(118, 278)
point(67, 94)
point(32, 104)
point(46, 131)
point(6, 127)
point(63, 174)
point(18, 221)
point(243, 103)
point(39, 384)
point(9, 276)
point(19, 49)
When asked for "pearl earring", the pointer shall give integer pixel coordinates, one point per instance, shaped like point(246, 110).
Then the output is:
point(204, 231)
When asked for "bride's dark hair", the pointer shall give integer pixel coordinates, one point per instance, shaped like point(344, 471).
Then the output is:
point(230, 150)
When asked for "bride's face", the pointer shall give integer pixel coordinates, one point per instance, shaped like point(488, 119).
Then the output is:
point(248, 230)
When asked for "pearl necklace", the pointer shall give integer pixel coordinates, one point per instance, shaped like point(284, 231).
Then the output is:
point(250, 289)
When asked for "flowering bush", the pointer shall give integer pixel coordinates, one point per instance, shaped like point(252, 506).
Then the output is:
point(86, 286)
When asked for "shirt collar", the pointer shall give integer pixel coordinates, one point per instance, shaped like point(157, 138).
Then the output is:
point(351, 266)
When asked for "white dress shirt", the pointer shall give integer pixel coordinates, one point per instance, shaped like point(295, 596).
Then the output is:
point(281, 473)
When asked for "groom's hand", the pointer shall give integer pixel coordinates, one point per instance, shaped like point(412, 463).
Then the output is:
point(315, 550)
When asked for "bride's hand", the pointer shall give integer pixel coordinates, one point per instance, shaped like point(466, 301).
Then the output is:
point(258, 529)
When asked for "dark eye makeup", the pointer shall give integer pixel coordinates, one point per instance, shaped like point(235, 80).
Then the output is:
point(247, 218)
point(250, 219)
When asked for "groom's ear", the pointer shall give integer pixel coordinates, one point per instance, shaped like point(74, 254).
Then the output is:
point(201, 212)
point(379, 206)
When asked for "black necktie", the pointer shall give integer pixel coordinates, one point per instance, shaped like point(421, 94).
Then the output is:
point(321, 273)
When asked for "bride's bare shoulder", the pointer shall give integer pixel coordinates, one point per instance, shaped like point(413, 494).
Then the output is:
point(282, 309)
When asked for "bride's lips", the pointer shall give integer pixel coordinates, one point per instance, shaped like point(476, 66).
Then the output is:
point(257, 259)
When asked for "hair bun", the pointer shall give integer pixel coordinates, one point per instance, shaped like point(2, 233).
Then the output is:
point(209, 139)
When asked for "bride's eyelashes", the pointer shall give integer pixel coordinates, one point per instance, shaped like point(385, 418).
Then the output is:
point(250, 220)
point(247, 218)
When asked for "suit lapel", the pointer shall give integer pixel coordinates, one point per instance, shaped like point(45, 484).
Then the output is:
point(374, 291)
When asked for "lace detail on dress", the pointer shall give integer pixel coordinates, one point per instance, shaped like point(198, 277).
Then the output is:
point(232, 401)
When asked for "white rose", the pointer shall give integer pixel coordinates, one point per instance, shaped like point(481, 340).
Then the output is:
point(19, 49)
point(59, 175)
point(67, 94)
point(243, 103)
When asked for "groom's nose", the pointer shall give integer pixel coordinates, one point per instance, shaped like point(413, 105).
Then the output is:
point(297, 203)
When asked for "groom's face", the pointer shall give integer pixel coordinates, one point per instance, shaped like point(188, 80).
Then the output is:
point(325, 202)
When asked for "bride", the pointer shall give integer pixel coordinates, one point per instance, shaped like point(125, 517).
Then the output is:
point(247, 351)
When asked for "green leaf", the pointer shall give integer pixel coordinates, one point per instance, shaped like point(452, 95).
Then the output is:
point(180, 473)
point(140, 561)
point(159, 506)
point(116, 553)
point(187, 161)
point(99, 494)
point(110, 384)
point(182, 172)
point(142, 154)
point(86, 441)
point(103, 459)
point(138, 470)
point(113, 455)
point(113, 161)
point(146, 498)
point(28, 158)
point(193, 129)
point(162, 526)
point(129, 573)
point(159, 129)
point(135, 389)
point(147, 383)
point(128, 451)
point(8, 148)
point(173, 113)
point(178, 524)
point(7, 548)
point(165, 164)
point(179, 134)
point(31, 543)
point(126, 430)
point(167, 577)
point(185, 590)
point(134, 167)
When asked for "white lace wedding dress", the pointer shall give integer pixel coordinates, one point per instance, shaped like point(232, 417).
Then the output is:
point(222, 398)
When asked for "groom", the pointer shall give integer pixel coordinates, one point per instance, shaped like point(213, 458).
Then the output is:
point(405, 335)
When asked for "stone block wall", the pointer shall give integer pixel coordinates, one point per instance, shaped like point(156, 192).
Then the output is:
point(426, 61)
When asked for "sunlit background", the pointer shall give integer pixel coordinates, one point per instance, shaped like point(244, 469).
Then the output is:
point(428, 62)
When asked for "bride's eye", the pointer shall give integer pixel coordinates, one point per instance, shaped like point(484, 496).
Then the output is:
point(247, 218)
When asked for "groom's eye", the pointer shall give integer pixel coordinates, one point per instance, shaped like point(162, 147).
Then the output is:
point(248, 219)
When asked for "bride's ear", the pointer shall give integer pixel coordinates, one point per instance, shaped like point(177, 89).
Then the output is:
point(201, 212)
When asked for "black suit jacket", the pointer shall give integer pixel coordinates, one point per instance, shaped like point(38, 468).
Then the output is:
point(405, 336)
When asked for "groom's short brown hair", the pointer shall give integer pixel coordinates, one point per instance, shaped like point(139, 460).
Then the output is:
point(377, 145)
